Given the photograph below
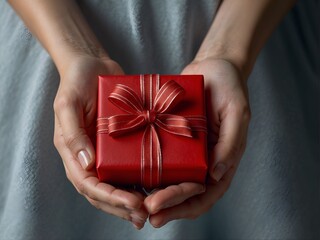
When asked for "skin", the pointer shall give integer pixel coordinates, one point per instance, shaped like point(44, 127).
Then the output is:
point(225, 58)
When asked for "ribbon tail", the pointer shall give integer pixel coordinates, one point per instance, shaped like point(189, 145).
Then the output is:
point(122, 124)
point(174, 124)
point(197, 123)
point(151, 159)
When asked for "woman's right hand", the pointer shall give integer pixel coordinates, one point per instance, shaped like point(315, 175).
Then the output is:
point(75, 120)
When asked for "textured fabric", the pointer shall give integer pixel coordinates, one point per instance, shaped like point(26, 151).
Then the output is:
point(275, 193)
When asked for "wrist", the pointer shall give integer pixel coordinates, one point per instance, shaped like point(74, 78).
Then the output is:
point(74, 53)
point(237, 34)
point(74, 40)
point(61, 28)
point(237, 56)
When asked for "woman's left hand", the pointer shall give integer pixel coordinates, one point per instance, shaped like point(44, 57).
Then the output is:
point(228, 116)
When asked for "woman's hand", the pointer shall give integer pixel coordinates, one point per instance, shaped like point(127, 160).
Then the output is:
point(75, 121)
point(225, 58)
point(228, 115)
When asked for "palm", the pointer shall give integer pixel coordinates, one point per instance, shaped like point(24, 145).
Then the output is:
point(225, 92)
point(82, 81)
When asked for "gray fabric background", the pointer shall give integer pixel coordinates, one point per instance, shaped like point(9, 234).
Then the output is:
point(275, 193)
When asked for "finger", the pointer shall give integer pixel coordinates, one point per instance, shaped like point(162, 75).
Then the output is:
point(105, 207)
point(195, 206)
point(137, 217)
point(88, 184)
point(103, 192)
point(172, 196)
point(71, 120)
point(137, 193)
point(60, 146)
point(62, 149)
point(231, 142)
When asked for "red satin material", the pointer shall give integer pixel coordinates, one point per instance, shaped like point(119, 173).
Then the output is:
point(153, 113)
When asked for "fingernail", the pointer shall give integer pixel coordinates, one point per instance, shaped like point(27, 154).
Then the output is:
point(137, 219)
point(219, 171)
point(162, 223)
point(84, 158)
point(136, 225)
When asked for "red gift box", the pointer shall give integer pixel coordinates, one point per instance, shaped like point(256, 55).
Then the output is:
point(151, 130)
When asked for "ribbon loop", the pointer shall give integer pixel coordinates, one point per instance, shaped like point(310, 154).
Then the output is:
point(168, 96)
point(126, 99)
point(150, 116)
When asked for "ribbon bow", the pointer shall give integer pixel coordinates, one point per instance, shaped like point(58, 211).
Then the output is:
point(147, 112)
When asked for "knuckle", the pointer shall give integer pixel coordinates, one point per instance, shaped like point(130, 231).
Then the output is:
point(62, 102)
point(75, 186)
point(73, 139)
point(242, 109)
point(114, 201)
point(80, 187)
point(67, 172)
point(56, 141)
point(179, 191)
point(234, 150)
point(113, 66)
point(89, 194)
point(78, 191)
point(246, 113)
point(191, 68)
point(96, 204)
point(68, 176)
point(126, 217)
point(115, 204)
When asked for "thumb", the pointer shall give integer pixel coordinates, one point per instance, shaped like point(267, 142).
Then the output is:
point(71, 120)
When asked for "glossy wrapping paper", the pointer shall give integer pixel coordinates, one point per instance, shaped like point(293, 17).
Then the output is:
point(163, 147)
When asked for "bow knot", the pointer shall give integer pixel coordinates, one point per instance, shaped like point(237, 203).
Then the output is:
point(149, 116)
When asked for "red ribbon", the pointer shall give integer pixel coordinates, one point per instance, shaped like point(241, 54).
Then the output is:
point(149, 111)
